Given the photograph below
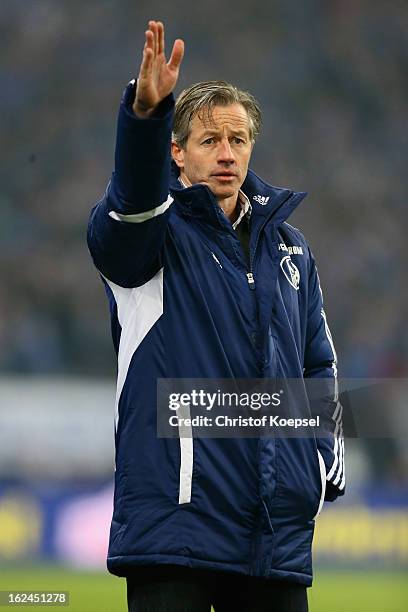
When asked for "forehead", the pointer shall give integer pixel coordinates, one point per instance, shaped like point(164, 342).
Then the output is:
point(232, 116)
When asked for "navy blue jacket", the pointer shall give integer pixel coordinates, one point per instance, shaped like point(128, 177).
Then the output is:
point(182, 306)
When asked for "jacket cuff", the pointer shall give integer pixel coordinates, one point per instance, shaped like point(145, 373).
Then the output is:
point(332, 492)
point(163, 109)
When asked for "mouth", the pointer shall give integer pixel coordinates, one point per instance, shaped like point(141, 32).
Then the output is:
point(224, 176)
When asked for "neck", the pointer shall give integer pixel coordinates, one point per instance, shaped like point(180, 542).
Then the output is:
point(230, 207)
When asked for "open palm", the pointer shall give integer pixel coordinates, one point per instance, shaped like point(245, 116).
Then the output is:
point(157, 78)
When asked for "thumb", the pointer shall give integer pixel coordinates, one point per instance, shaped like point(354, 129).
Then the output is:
point(176, 55)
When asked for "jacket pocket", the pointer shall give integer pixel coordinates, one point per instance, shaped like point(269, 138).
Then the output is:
point(322, 469)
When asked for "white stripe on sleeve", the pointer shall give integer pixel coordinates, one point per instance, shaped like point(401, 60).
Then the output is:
point(144, 216)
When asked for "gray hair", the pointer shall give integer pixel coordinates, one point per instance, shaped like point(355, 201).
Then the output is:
point(202, 97)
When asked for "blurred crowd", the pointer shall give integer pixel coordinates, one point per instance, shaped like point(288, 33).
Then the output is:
point(331, 80)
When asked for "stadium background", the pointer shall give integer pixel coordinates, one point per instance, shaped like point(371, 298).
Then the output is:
point(330, 79)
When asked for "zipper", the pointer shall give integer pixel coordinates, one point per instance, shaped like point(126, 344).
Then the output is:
point(250, 274)
point(251, 280)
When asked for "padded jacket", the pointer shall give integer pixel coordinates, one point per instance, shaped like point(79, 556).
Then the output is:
point(184, 303)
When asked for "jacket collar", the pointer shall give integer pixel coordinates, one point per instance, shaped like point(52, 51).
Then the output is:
point(268, 202)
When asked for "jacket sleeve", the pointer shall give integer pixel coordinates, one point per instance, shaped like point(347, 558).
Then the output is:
point(127, 227)
point(321, 364)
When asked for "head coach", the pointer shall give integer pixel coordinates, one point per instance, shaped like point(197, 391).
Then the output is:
point(206, 279)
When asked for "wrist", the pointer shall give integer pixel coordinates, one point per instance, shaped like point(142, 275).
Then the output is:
point(142, 111)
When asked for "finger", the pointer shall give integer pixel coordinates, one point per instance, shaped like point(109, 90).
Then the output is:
point(176, 54)
point(160, 28)
point(149, 42)
point(153, 29)
point(146, 64)
point(147, 53)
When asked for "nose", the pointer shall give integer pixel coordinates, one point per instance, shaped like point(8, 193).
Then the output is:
point(225, 153)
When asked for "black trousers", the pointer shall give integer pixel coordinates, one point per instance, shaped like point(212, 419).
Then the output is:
point(169, 588)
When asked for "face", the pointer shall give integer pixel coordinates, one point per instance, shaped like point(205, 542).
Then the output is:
point(218, 150)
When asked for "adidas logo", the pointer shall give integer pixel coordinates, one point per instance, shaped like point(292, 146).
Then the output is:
point(261, 199)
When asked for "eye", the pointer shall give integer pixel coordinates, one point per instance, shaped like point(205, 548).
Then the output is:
point(238, 140)
point(208, 141)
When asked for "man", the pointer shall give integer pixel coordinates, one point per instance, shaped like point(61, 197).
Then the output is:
point(205, 279)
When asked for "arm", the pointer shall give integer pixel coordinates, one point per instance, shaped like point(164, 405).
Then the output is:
point(321, 363)
point(128, 226)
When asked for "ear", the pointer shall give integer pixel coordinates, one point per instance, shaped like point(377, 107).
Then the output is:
point(177, 154)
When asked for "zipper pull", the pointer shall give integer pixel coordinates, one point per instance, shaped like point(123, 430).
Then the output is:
point(251, 280)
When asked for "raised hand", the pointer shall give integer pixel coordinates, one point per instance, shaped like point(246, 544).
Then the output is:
point(157, 78)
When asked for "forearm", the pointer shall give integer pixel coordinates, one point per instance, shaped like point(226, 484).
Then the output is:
point(142, 157)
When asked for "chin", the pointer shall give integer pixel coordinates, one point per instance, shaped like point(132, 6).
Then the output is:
point(224, 193)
